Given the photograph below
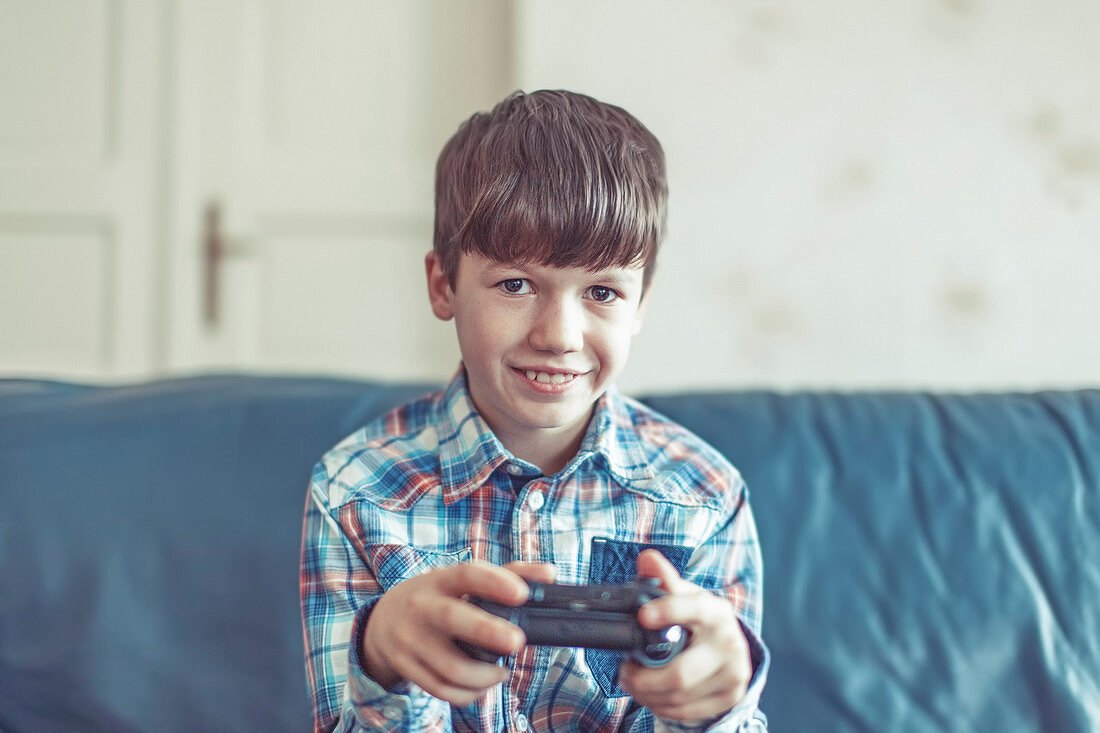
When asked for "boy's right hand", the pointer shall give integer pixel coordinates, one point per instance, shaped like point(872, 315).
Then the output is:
point(411, 631)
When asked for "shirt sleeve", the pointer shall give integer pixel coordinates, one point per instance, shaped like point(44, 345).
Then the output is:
point(730, 563)
point(338, 590)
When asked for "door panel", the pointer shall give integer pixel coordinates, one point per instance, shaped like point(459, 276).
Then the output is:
point(78, 170)
point(314, 129)
point(55, 287)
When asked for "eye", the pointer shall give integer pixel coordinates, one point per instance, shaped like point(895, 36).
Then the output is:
point(602, 294)
point(515, 286)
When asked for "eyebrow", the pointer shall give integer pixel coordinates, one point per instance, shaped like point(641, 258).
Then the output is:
point(616, 277)
point(612, 275)
point(615, 274)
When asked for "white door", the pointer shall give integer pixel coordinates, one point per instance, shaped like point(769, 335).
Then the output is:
point(312, 129)
point(304, 138)
point(80, 261)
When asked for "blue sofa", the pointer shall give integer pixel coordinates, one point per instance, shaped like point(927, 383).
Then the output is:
point(932, 561)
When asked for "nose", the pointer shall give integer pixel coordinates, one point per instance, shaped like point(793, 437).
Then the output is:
point(558, 327)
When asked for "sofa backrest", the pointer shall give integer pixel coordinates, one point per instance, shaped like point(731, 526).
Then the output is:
point(931, 562)
point(149, 540)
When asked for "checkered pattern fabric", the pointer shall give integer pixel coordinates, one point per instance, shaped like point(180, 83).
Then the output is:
point(430, 485)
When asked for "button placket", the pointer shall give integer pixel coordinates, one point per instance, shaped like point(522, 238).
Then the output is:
point(526, 522)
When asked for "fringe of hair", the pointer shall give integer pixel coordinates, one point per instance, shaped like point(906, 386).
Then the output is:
point(552, 177)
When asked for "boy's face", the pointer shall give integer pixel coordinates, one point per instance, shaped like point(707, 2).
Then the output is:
point(540, 344)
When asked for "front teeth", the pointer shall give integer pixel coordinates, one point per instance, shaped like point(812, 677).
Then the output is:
point(550, 378)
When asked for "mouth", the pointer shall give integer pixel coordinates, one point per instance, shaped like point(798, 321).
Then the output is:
point(550, 377)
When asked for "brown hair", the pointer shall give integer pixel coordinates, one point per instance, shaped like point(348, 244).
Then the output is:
point(552, 177)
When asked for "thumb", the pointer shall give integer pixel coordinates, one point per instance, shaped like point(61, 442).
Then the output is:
point(652, 564)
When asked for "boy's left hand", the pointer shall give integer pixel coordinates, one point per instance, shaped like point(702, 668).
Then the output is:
point(712, 674)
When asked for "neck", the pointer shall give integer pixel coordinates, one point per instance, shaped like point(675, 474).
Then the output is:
point(550, 452)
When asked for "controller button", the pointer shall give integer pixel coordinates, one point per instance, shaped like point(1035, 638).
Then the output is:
point(535, 500)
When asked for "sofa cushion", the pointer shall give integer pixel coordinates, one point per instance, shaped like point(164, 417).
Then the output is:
point(932, 562)
point(149, 541)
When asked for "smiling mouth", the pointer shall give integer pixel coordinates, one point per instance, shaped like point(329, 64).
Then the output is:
point(547, 377)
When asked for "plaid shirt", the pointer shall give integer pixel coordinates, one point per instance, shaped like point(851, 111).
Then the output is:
point(430, 485)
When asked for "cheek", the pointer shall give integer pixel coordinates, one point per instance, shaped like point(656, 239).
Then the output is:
point(612, 343)
point(481, 334)
point(472, 341)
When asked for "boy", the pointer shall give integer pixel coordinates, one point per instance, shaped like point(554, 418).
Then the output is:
point(530, 465)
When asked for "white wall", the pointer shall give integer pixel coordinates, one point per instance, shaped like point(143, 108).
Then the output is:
point(862, 193)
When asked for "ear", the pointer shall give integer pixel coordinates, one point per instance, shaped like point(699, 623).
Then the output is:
point(439, 288)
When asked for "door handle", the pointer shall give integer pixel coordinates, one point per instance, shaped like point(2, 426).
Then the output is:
point(213, 249)
point(216, 247)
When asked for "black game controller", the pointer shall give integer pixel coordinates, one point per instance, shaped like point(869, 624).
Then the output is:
point(590, 616)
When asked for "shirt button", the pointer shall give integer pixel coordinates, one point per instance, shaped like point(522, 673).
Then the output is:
point(521, 721)
point(513, 469)
point(535, 500)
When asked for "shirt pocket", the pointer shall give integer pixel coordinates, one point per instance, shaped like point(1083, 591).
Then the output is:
point(615, 561)
point(394, 563)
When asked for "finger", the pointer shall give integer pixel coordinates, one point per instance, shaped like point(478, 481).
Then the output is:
point(698, 610)
point(699, 672)
point(457, 619)
point(432, 644)
point(687, 671)
point(456, 690)
point(483, 580)
point(712, 697)
point(451, 666)
point(686, 697)
point(540, 572)
point(698, 710)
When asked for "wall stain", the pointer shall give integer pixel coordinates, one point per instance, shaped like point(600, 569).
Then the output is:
point(759, 27)
point(765, 313)
point(1045, 122)
point(1079, 158)
point(776, 319)
point(953, 20)
point(768, 19)
point(960, 7)
point(1072, 159)
point(855, 177)
point(736, 284)
point(966, 300)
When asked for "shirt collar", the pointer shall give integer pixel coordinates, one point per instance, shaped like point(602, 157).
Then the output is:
point(613, 435)
point(469, 451)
